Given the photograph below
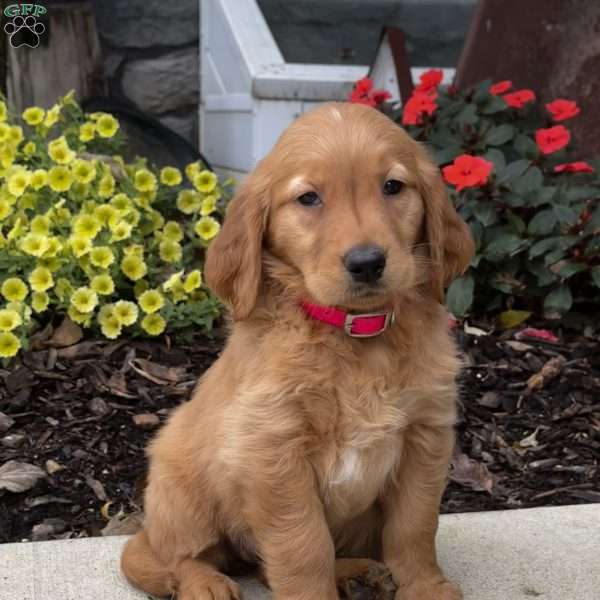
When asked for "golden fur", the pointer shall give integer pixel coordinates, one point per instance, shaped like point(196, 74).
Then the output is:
point(302, 444)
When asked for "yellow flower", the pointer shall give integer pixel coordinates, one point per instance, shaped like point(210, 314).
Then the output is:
point(207, 228)
point(104, 213)
point(144, 180)
point(209, 205)
point(52, 116)
point(52, 263)
point(87, 132)
point(133, 267)
point(173, 280)
point(192, 281)
point(80, 245)
point(107, 126)
point(135, 249)
point(205, 181)
point(170, 251)
point(83, 318)
point(106, 187)
point(103, 285)
point(170, 176)
point(153, 324)
point(68, 99)
point(9, 344)
point(172, 231)
point(9, 319)
point(86, 226)
point(122, 203)
point(3, 111)
point(120, 231)
point(33, 115)
point(40, 279)
point(4, 131)
point(18, 181)
point(188, 201)
point(110, 327)
point(40, 225)
point(59, 151)
point(126, 312)
point(39, 301)
point(15, 134)
point(39, 178)
point(5, 209)
point(34, 244)
point(29, 148)
point(84, 299)
point(192, 170)
point(60, 179)
point(102, 257)
point(157, 220)
point(13, 289)
point(84, 171)
point(151, 301)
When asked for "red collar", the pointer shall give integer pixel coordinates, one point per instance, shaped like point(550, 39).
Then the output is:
point(355, 325)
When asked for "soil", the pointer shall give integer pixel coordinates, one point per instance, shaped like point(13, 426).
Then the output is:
point(74, 422)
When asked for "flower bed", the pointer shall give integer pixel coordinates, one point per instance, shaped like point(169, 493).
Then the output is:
point(116, 247)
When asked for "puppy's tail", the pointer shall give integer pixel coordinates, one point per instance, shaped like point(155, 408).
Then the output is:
point(143, 569)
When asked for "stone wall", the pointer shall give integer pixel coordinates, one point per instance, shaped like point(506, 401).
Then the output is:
point(151, 58)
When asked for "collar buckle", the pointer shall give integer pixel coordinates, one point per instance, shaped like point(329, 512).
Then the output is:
point(389, 318)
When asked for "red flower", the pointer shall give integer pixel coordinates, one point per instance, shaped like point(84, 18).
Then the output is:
point(467, 171)
point(574, 167)
point(562, 109)
point(519, 98)
point(499, 88)
point(418, 104)
point(430, 80)
point(552, 139)
point(363, 93)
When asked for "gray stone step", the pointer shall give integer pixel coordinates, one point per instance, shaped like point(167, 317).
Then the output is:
point(545, 553)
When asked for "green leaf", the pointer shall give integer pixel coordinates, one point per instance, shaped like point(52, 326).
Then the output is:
point(544, 275)
point(485, 213)
point(568, 269)
point(542, 223)
point(459, 297)
point(494, 105)
point(581, 192)
point(513, 170)
point(544, 246)
point(443, 137)
point(468, 115)
point(482, 91)
point(497, 157)
point(447, 155)
point(496, 136)
point(513, 318)
point(565, 214)
point(526, 147)
point(530, 181)
point(516, 223)
point(504, 245)
point(595, 273)
point(559, 300)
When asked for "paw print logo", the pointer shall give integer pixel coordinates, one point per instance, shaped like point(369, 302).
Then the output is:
point(24, 31)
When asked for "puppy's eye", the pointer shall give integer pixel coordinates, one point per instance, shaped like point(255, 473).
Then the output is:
point(392, 187)
point(309, 199)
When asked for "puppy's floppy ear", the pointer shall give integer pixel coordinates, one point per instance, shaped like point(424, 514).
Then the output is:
point(448, 237)
point(233, 263)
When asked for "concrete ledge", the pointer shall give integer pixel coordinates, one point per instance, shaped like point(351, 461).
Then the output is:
point(545, 553)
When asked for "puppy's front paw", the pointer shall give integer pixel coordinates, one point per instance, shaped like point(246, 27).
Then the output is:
point(428, 590)
point(210, 587)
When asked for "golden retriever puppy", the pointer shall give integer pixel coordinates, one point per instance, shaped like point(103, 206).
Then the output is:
point(325, 428)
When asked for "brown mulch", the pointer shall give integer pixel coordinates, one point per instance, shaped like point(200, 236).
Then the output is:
point(74, 422)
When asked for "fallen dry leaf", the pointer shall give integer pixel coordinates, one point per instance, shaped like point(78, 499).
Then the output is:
point(156, 373)
point(97, 487)
point(53, 467)
point(472, 474)
point(537, 334)
point(470, 330)
point(18, 476)
point(122, 524)
point(6, 422)
point(511, 318)
point(66, 334)
point(548, 372)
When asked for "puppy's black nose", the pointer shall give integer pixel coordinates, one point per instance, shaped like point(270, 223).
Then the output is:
point(365, 263)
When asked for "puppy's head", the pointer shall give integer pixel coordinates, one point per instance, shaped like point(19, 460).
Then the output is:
point(352, 206)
